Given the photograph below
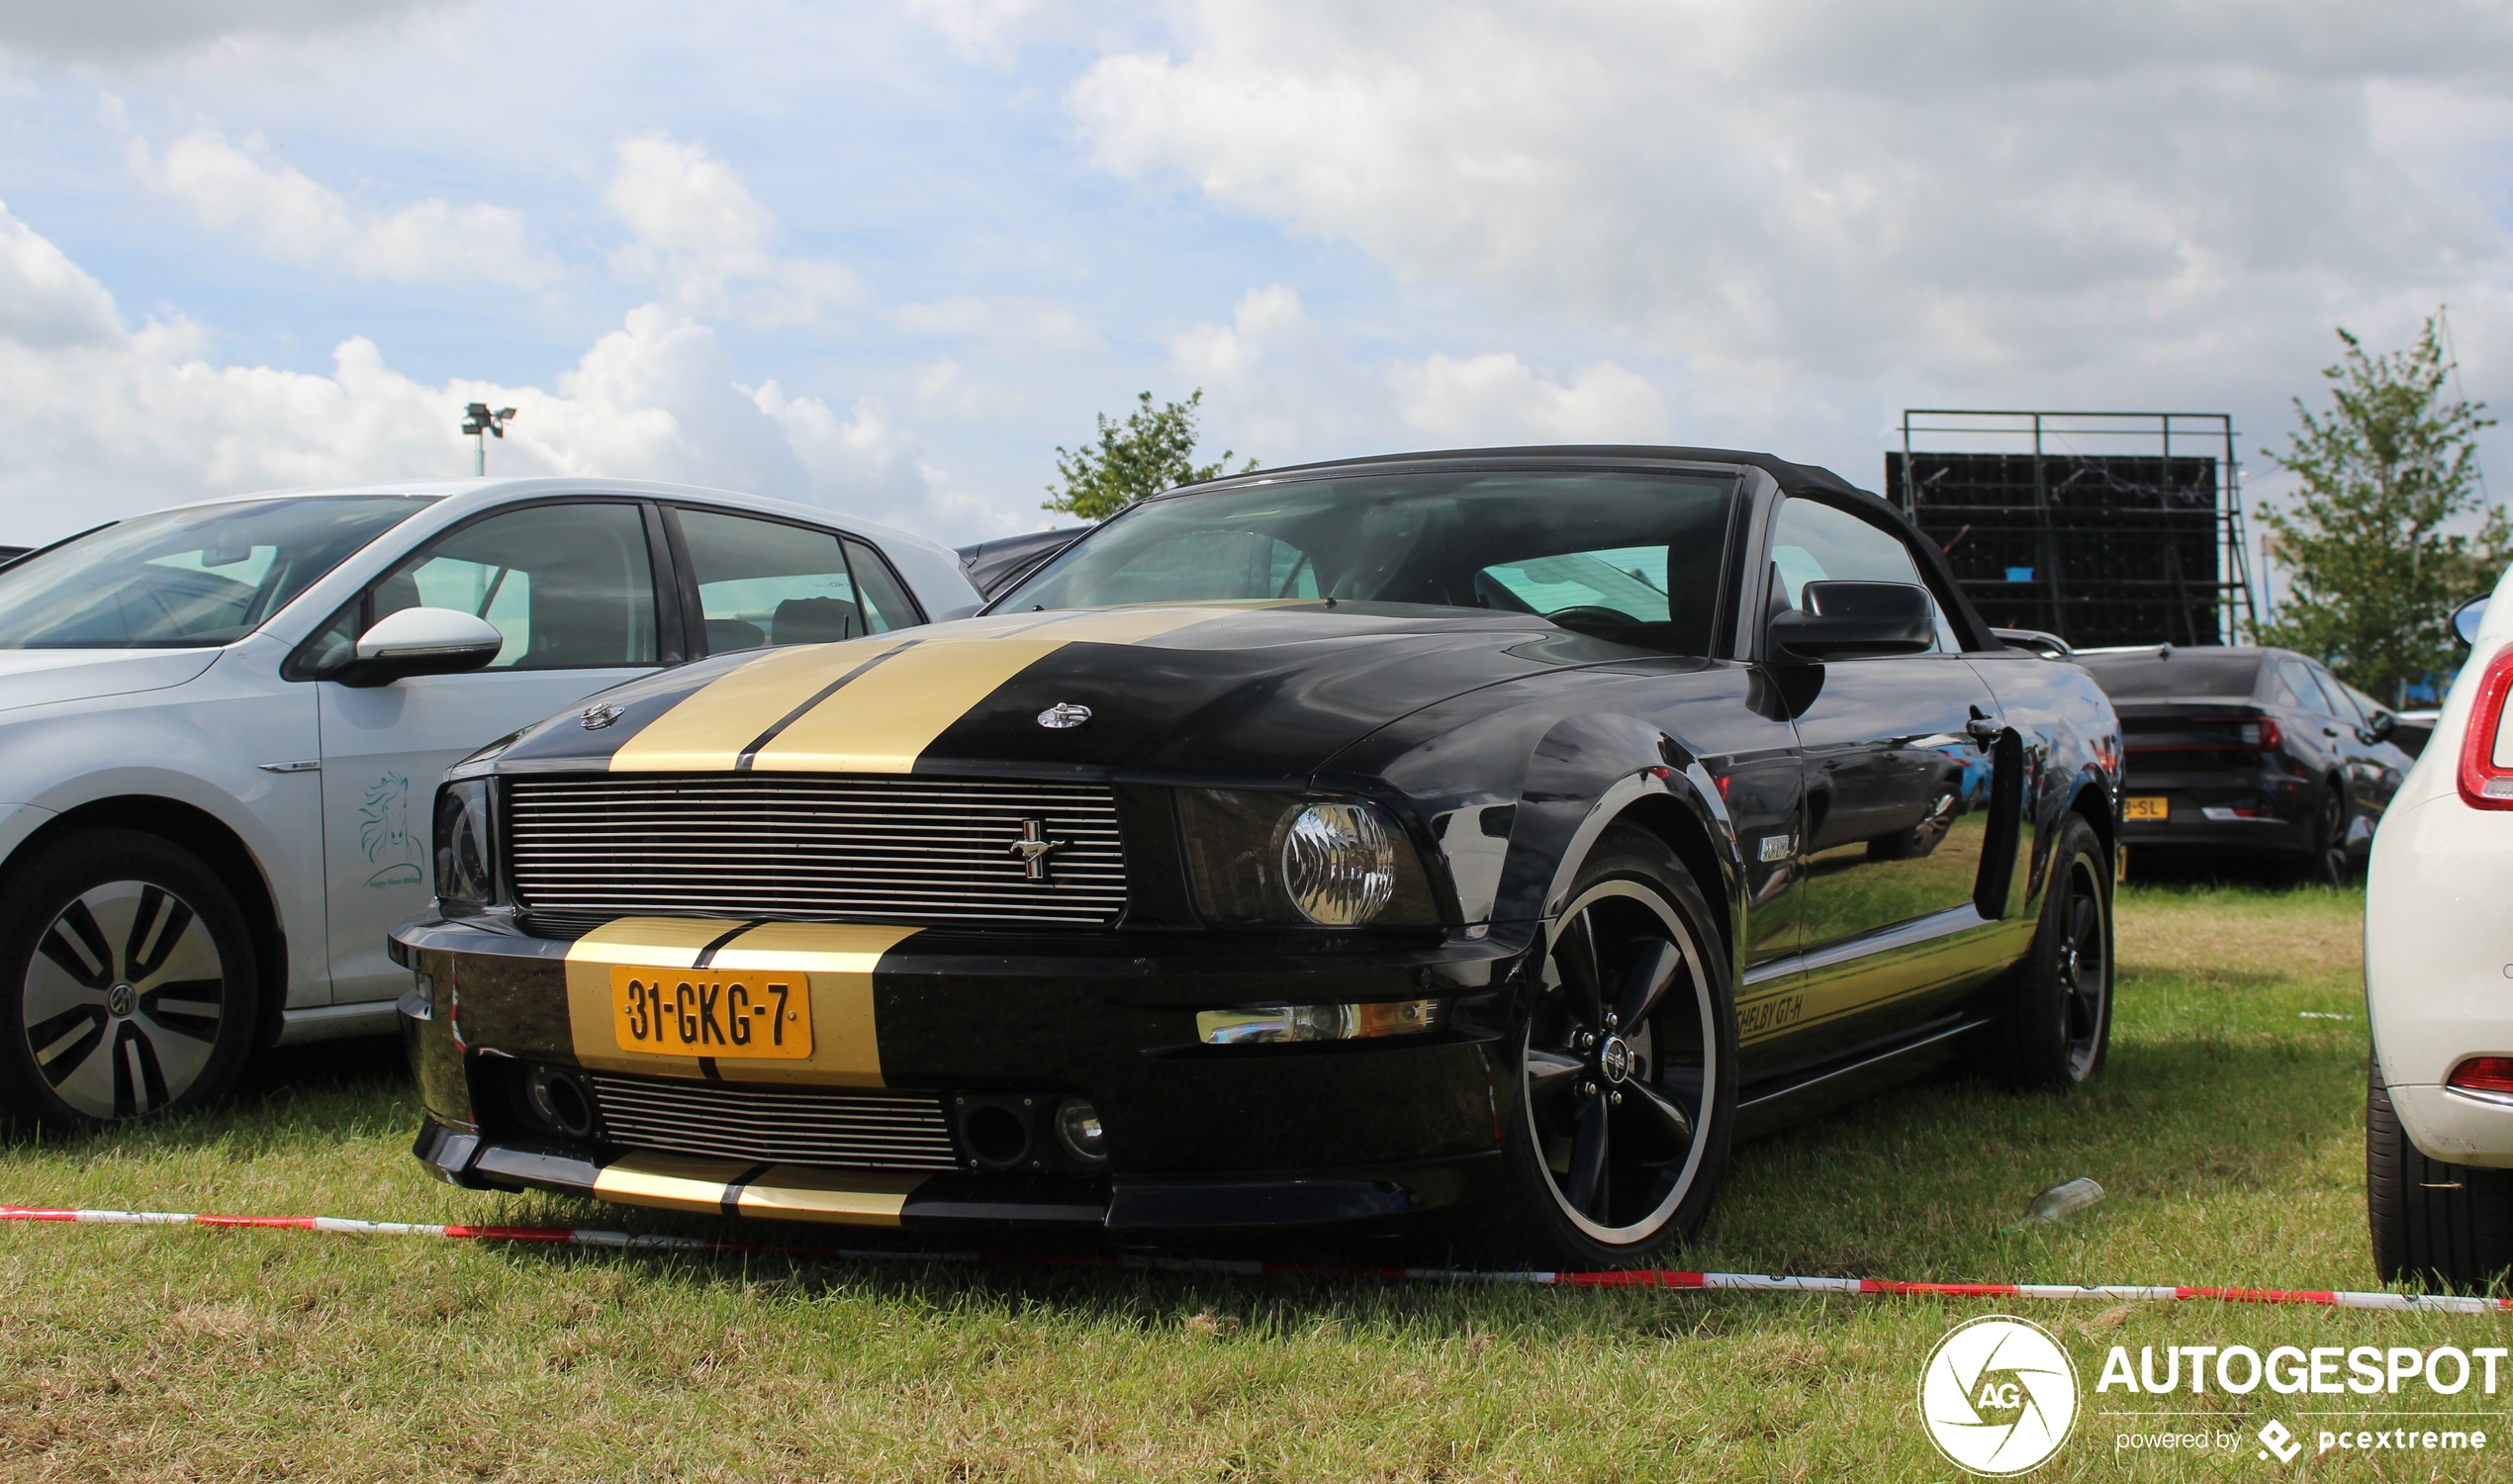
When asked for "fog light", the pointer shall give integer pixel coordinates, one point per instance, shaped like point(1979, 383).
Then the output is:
point(558, 1100)
point(1339, 862)
point(1251, 1025)
point(1078, 1128)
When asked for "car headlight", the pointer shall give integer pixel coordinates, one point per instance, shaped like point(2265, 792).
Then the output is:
point(464, 873)
point(1257, 859)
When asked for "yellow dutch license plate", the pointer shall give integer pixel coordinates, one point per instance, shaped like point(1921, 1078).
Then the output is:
point(697, 1012)
point(2146, 807)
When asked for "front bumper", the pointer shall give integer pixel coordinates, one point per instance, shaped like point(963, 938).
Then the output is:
point(1197, 1137)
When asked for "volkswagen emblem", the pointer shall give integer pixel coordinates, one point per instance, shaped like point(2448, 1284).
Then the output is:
point(1064, 715)
point(599, 716)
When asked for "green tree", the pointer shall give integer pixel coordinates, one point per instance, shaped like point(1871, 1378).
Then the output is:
point(2372, 576)
point(1153, 450)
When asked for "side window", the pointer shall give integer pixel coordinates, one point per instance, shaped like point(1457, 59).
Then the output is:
point(887, 603)
point(763, 582)
point(2341, 705)
point(2295, 679)
point(1815, 542)
point(570, 586)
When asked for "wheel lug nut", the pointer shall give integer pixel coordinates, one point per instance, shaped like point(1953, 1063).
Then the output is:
point(1614, 1099)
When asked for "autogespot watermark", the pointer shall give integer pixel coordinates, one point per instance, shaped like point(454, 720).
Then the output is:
point(1999, 1397)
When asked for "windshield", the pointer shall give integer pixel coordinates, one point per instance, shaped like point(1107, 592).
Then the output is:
point(193, 578)
point(2130, 677)
point(1634, 557)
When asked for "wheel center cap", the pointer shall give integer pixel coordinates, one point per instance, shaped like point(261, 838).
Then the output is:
point(121, 1000)
point(1614, 1058)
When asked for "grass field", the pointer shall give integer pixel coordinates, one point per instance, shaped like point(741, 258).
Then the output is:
point(2227, 1131)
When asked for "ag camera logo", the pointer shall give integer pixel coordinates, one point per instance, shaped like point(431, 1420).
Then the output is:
point(1999, 1396)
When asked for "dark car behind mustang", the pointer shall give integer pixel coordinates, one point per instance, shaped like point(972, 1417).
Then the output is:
point(1490, 839)
point(2250, 754)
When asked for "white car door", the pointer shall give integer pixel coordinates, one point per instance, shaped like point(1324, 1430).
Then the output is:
point(571, 584)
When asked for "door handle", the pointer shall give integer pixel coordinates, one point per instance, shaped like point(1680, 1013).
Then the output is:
point(1982, 730)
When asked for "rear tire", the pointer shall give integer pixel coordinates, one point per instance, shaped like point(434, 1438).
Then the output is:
point(127, 986)
point(2448, 1226)
point(1623, 1076)
point(2054, 1012)
point(2330, 865)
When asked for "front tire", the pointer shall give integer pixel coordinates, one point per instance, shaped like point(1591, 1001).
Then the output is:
point(2450, 1226)
point(2054, 1021)
point(127, 982)
point(1626, 1072)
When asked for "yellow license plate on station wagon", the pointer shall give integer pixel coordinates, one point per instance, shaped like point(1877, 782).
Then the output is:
point(2146, 807)
point(700, 1012)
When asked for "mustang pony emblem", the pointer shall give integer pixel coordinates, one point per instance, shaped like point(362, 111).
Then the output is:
point(1033, 848)
point(1064, 715)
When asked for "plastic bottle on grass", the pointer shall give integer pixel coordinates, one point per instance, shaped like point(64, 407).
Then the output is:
point(2061, 1203)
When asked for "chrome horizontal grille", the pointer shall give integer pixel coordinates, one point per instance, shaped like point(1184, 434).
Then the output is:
point(810, 848)
point(862, 1130)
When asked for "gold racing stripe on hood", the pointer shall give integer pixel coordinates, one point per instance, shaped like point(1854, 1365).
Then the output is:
point(706, 730)
point(886, 718)
point(882, 718)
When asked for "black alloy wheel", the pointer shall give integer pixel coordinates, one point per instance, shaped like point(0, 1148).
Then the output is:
point(127, 982)
point(1627, 1083)
point(2054, 1025)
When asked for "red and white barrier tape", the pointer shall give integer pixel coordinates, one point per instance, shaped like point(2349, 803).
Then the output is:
point(1748, 1282)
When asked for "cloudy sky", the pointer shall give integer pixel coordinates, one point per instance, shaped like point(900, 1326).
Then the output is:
point(885, 256)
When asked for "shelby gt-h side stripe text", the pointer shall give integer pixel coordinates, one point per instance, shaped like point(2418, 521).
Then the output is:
point(882, 713)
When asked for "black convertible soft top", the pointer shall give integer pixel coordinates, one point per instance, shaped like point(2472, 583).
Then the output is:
point(1793, 479)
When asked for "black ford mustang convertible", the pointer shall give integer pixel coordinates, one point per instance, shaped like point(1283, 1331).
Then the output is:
point(1490, 838)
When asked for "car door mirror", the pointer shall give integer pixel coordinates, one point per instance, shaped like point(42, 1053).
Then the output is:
point(420, 641)
point(2467, 618)
point(1848, 619)
point(2382, 725)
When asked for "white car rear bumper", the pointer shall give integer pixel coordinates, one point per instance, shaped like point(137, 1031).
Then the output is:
point(2438, 970)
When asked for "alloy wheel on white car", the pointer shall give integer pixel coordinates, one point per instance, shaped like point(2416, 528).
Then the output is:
point(122, 998)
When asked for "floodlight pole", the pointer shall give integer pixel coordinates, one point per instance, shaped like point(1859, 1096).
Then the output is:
point(481, 424)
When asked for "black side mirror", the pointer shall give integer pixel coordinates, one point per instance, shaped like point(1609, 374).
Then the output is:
point(2382, 725)
point(1848, 619)
point(2467, 618)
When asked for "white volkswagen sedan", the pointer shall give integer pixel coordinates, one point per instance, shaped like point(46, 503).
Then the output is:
point(221, 727)
point(2439, 985)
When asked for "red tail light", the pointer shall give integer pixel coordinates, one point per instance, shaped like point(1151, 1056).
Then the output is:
point(2484, 1075)
point(2263, 734)
point(2483, 784)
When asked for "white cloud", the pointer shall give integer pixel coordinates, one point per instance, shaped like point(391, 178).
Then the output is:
point(979, 30)
point(99, 419)
point(1495, 400)
point(708, 245)
point(47, 302)
point(2123, 199)
point(1276, 382)
point(296, 219)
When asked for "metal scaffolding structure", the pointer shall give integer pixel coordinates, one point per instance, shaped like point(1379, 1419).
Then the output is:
point(2107, 544)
